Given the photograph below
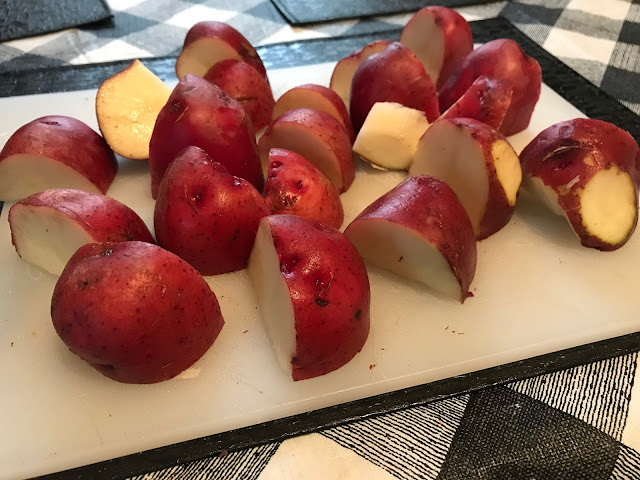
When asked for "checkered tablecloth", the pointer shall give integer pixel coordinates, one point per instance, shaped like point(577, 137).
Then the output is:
point(582, 423)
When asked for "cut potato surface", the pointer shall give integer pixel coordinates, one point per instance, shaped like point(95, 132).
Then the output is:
point(200, 55)
point(424, 36)
point(508, 169)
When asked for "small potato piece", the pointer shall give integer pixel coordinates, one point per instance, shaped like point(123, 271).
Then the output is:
point(296, 187)
point(313, 291)
point(247, 86)
point(205, 215)
point(48, 227)
point(55, 152)
point(134, 312)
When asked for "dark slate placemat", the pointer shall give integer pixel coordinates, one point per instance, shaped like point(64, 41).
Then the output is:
point(300, 12)
point(22, 18)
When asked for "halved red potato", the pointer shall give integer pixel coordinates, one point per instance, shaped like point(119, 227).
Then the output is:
point(247, 86)
point(421, 231)
point(318, 137)
point(295, 186)
point(501, 59)
point(201, 114)
point(313, 291)
point(478, 163)
point(585, 170)
point(393, 75)
point(205, 215)
point(316, 97)
point(210, 42)
point(441, 38)
point(48, 227)
point(343, 71)
point(389, 136)
point(55, 152)
point(487, 100)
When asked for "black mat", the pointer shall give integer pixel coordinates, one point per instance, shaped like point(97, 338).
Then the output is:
point(300, 12)
point(26, 18)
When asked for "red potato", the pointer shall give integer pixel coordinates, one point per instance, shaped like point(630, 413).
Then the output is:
point(313, 291)
point(127, 105)
point(394, 75)
point(441, 38)
point(586, 171)
point(318, 137)
point(315, 97)
point(55, 152)
point(247, 86)
point(210, 42)
point(134, 312)
point(296, 187)
point(201, 114)
point(478, 163)
point(487, 100)
point(501, 59)
point(345, 69)
point(205, 215)
point(390, 134)
point(48, 227)
point(421, 231)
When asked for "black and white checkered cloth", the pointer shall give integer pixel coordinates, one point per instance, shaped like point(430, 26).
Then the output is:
point(582, 423)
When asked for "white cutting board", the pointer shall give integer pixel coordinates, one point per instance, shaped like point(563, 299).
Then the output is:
point(536, 291)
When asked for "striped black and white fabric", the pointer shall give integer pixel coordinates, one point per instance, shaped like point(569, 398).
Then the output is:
point(582, 423)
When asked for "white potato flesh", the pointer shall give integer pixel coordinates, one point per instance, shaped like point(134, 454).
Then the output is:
point(403, 251)
point(545, 194)
point(305, 98)
point(127, 106)
point(608, 205)
point(46, 237)
point(454, 157)
point(425, 39)
point(508, 169)
point(23, 174)
point(200, 55)
point(273, 296)
point(389, 136)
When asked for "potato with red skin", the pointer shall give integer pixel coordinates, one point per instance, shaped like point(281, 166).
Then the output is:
point(134, 312)
point(441, 38)
point(201, 114)
point(247, 86)
point(421, 231)
point(346, 67)
point(48, 227)
point(313, 291)
point(586, 171)
point(478, 163)
point(296, 187)
point(205, 215)
point(487, 100)
point(318, 137)
point(502, 59)
point(210, 42)
point(393, 75)
point(315, 97)
point(55, 152)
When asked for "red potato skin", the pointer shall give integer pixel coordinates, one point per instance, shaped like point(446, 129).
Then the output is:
point(106, 219)
point(70, 141)
point(556, 156)
point(237, 41)
point(134, 312)
point(329, 288)
point(431, 208)
point(206, 216)
point(487, 100)
point(296, 187)
point(501, 59)
point(331, 97)
point(327, 129)
point(247, 86)
point(201, 114)
point(394, 75)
